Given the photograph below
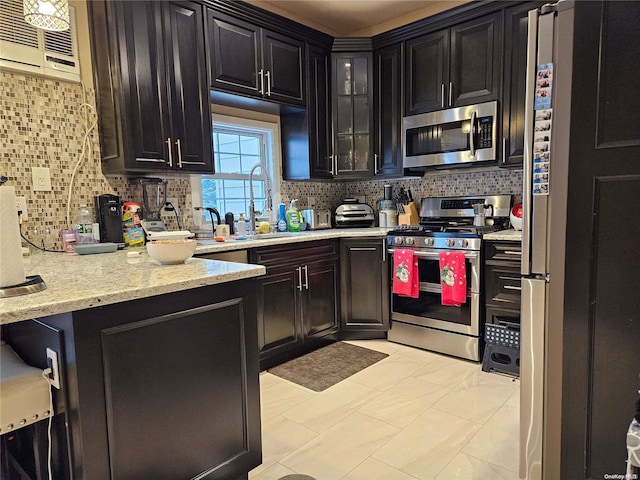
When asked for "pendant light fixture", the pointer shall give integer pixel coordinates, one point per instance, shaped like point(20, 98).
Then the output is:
point(47, 14)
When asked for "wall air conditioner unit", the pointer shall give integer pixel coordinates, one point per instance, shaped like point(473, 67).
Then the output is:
point(27, 49)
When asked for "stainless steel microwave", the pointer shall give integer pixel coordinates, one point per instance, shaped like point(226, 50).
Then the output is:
point(452, 137)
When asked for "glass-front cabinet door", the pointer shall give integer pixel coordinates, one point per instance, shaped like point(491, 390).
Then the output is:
point(352, 114)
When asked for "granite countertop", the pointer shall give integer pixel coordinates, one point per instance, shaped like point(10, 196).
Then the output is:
point(211, 246)
point(75, 282)
point(511, 234)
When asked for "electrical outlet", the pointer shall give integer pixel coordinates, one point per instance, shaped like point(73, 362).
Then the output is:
point(22, 207)
point(41, 178)
point(173, 201)
point(52, 362)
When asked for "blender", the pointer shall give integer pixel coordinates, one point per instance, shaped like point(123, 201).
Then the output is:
point(154, 197)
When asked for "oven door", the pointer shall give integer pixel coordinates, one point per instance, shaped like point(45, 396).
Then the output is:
point(427, 310)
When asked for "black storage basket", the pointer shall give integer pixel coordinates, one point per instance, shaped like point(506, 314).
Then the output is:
point(502, 349)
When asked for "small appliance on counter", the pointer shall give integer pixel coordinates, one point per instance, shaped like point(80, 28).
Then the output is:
point(154, 197)
point(387, 214)
point(109, 209)
point(352, 213)
point(387, 209)
point(317, 219)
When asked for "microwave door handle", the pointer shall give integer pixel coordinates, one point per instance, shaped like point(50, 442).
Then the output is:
point(472, 136)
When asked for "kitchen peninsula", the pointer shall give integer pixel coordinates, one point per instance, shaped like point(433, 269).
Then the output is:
point(159, 364)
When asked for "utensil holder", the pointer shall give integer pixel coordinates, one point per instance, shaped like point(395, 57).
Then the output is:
point(410, 215)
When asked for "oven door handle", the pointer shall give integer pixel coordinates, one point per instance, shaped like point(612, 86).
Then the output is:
point(422, 254)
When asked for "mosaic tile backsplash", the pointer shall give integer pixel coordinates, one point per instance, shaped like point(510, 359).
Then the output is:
point(43, 123)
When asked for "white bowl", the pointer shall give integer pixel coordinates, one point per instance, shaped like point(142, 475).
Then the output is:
point(171, 252)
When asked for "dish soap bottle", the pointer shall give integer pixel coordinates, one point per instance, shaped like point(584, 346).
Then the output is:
point(281, 224)
point(293, 217)
point(242, 225)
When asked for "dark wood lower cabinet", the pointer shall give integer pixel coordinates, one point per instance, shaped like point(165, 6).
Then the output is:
point(365, 286)
point(297, 299)
point(164, 387)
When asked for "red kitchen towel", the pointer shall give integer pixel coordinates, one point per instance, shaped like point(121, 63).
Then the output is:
point(406, 281)
point(453, 278)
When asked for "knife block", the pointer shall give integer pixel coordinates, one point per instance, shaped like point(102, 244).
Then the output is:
point(410, 215)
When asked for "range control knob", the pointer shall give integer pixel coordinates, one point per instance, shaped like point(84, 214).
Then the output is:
point(463, 243)
point(450, 242)
point(398, 241)
point(428, 241)
point(409, 241)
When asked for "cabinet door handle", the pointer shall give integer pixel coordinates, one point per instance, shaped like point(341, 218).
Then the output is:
point(299, 287)
point(334, 163)
point(261, 73)
point(375, 164)
point(179, 153)
point(384, 252)
point(268, 75)
point(450, 93)
point(170, 148)
point(306, 277)
point(442, 96)
point(511, 287)
point(504, 150)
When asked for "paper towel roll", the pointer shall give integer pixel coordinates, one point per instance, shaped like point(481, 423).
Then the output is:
point(11, 264)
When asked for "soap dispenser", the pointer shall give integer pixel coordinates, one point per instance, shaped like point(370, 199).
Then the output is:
point(282, 218)
point(293, 217)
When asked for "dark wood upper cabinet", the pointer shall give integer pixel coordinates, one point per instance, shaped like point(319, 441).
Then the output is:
point(306, 132)
point(187, 73)
point(454, 67)
point(474, 71)
point(352, 114)
point(427, 72)
point(234, 54)
point(318, 110)
point(153, 100)
point(388, 111)
point(250, 60)
point(283, 60)
point(514, 83)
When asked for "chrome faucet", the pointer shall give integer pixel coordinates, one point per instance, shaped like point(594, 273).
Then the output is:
point(268, 204)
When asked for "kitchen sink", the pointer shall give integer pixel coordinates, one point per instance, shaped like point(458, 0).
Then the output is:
point(260, 236)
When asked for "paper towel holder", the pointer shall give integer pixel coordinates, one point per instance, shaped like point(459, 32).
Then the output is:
point(33, 284)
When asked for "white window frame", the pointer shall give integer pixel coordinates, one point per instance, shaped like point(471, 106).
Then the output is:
point(273, 155)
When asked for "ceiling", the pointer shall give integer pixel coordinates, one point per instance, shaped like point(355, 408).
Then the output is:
point(356, 18)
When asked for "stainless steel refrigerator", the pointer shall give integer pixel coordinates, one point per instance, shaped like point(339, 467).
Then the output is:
point(545, 170)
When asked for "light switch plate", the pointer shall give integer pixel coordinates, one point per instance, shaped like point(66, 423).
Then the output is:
point(41, 178)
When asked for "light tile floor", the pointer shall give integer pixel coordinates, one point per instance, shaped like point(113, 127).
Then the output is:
point(413, 415)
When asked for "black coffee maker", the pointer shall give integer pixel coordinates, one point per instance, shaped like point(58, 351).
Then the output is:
point(109, 210)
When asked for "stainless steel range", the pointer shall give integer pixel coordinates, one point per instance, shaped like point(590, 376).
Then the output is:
point(446, 225)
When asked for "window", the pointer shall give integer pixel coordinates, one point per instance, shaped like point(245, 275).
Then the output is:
point(238, 145)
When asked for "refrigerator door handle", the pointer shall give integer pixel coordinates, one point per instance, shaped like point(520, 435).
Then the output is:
point(527, 168)
point(532, 360)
